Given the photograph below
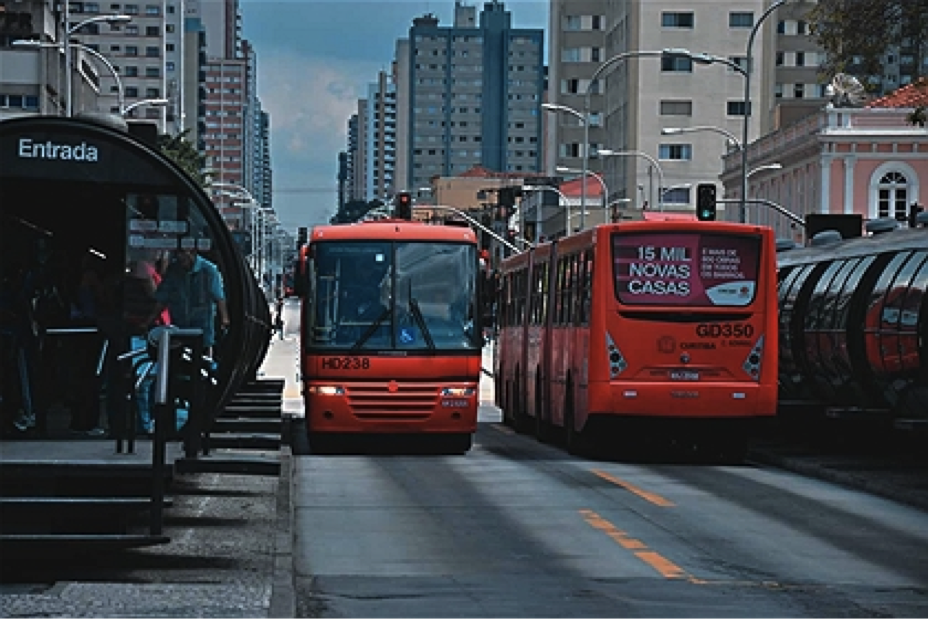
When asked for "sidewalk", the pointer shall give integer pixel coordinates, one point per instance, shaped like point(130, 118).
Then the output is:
point(229, 554)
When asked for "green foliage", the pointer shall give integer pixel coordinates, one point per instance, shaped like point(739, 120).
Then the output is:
point(185, 154)
point(867, 30)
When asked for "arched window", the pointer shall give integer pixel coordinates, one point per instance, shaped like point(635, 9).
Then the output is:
point(892, 198)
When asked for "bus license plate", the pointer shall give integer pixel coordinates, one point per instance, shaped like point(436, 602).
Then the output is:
point(684, 375)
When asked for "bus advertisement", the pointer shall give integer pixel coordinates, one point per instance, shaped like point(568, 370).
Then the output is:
point(391, 333)
point(641, 332)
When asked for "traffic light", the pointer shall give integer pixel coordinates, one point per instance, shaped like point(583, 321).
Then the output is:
point(302, 237)
point(706, 202)
point(403, 205)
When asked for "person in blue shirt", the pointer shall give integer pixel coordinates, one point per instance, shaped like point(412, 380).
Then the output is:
point(192, 291)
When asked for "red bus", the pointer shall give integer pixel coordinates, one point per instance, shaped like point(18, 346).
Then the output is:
point(391, 332)
point(638, 332)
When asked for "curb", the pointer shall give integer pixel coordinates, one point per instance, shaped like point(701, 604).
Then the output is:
point(283, 586)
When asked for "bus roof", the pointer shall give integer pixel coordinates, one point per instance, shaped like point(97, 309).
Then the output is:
point(392, 230)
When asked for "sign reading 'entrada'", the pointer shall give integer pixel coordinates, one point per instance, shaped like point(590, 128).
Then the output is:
point(30, 149)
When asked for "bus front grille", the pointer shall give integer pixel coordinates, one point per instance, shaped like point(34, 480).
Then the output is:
point(407, 401)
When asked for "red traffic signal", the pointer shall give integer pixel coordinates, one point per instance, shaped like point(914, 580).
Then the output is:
point(403, 205)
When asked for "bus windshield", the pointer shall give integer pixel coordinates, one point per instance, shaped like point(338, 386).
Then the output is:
point(684, 268)
point(393, 296)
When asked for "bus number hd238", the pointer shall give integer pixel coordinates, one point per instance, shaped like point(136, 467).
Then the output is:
point(725, 330)
point(346, 363)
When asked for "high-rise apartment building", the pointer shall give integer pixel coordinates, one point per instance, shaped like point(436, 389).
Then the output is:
point(470, 94)
point(380, 145)
point(638, 97)
point(120, 66)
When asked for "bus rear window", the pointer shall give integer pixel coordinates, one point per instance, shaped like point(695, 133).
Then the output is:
point(689, 269)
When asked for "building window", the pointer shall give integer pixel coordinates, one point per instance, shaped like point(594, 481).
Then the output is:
point(892, 196)
point(676, 195)
point(152, 9)
point(677, 20)
point(739, 61)
point(676, 64)
point(736, 108)
point(801, 59)
point(676, 108)
point(675, 152)
point(152, 72)
point(798, 91)
point(152, 51)
point(741, 19)
point(132, 50)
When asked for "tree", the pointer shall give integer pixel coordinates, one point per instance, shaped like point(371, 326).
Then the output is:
point(183, 152)
point(857, 34)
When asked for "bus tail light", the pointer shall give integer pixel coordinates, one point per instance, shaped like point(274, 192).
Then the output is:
point(752, 363)
point(325, 390)
point(615, 358)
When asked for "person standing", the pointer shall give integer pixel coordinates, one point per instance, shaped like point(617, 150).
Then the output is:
point(193, 293)
point(279, 317)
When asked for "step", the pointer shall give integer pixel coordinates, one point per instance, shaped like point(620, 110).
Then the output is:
point(245, 441)
point(246, 425)
point(233, 463)
point(52, 542)
point(256, 398)
point(78, 502)
point(251, 410)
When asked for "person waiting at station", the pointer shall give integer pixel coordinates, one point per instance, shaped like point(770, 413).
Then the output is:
point(193, 293)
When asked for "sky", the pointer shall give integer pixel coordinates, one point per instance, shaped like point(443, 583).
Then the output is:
point(315, 60)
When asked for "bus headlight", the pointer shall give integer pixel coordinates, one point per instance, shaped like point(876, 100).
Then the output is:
point(325, 390)
point(457, 392)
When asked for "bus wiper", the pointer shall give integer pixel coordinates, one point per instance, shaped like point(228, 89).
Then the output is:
point(374, 326)
point(421, 322)
point(418, 315)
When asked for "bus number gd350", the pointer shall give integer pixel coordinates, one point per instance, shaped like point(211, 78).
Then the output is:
point(725, 330)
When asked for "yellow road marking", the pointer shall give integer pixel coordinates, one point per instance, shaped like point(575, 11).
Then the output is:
point(663, 566)
point(655, 499)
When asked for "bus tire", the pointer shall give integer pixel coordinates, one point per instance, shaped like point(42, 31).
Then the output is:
point(461, 443)
point(573, 440)
point(521, 422)
point(543, 429)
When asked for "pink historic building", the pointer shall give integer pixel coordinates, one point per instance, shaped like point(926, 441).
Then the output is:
point(870, 161)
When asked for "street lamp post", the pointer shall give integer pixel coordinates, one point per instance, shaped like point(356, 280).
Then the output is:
point(762, 168)
point(635, 153)
point(561, 196)
point(124, 111)
point(679, 130)
point(87, 50)
point(69, 30)
point(746, 104)
point(468, 218)
point(603, 188)
point(701, 58)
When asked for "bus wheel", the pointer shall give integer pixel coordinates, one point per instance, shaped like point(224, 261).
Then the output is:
point(732, 449)
point(520, 418)
point(460, 443)
point(543, 429)
point(573, 440)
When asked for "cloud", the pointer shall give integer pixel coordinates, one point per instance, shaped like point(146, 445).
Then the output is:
point(310, 100)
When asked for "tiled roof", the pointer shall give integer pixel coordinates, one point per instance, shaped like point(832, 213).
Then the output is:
point(911, 95)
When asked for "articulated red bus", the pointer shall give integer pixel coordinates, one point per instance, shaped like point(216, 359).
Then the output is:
point(641, 331)
point(391, 332)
